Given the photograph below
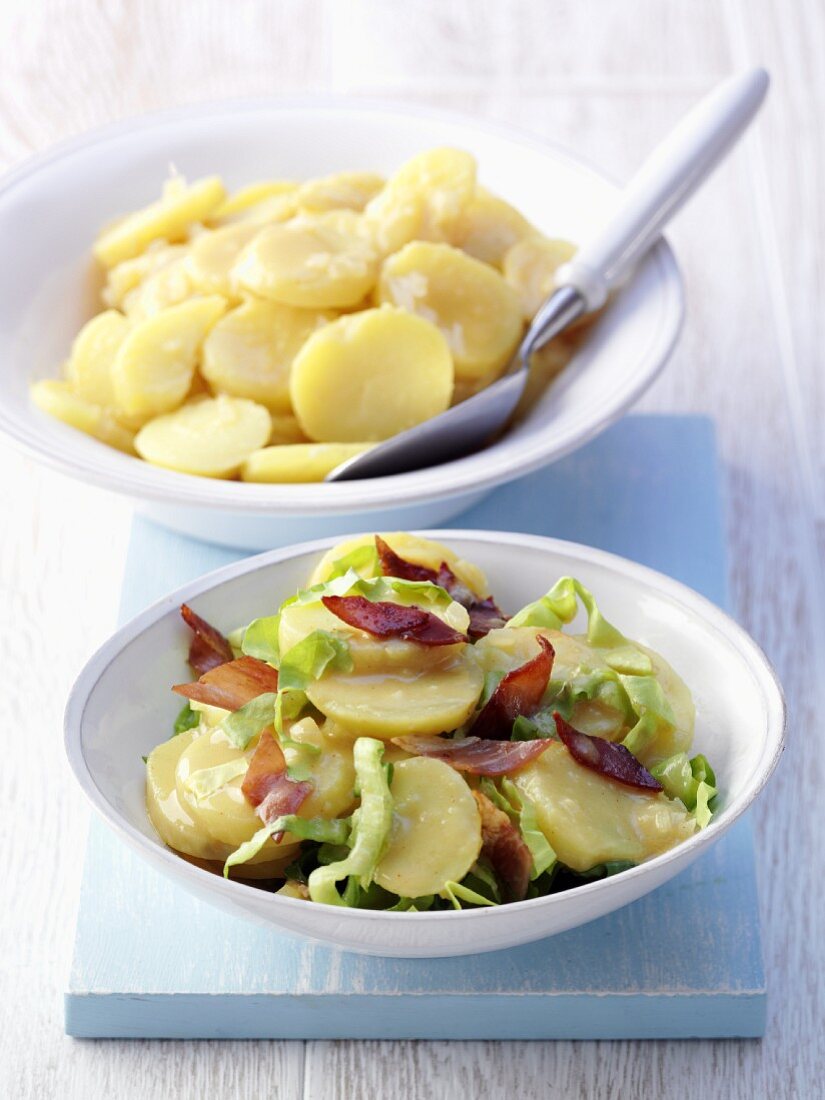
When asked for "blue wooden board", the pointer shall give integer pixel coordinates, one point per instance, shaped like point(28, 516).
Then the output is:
point(685, 961)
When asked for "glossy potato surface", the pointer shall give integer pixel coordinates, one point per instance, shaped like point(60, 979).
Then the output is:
point(298, 463)
point(59, 400)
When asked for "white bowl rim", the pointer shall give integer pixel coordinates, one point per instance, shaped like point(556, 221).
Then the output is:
point(461, 476)
point(689, 600)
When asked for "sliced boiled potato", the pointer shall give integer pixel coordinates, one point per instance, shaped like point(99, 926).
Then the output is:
point(389, 706)
point(668, 741)
point(59, 400)
point(331, 769)
point(436, 830)
point(298, 463)
point(250, 351)
point(226, 814)
point(168, 285)
point(155, 364)
point(286, 429)
point(212, 255)
point(211, 436)
point(93, 352)
point(589, 819)
point(473, 307)
point(315, 262)
point(412, 548)
point(271, 199)
point(488, 227)
point(127, 275)
point(341, 191)
point(370, 375)
point(530, 268)
point(170, 218)
point(174, 821)
point(423, 200)
point(371, 655)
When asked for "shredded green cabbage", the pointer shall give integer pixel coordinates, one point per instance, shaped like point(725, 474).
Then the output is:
point(260, 639)
point(310, 658)
point(206, 781)
point(692, 781)
point(187, 719)
point(559, 606)
point(320, 829)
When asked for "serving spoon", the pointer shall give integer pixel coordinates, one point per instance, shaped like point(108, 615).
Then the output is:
point(666, 180)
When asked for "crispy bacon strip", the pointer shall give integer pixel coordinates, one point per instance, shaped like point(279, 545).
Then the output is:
point(475, 755)
point(391, 620)
point(605, 757)
point(519, 692)
point(503, 845)
point(208, 647)
point(485, 615)
point(233, 684)
point(266, 785)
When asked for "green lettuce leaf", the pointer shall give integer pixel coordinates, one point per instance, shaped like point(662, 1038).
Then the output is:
point(543, 855)
point(629, 660)
point(456, 892)
point(187, 719)
point(245, 724)
point(651, 706)
point(311, 658)
point(206, 781)
point(371, 824)
point(320, 829)
point(693, 782)
point(260, 639)
point(559, 606)
point(540, 724)
point(363, 560)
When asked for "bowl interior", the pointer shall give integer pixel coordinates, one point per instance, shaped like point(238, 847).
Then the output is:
point(51, 210)
point(122, 706)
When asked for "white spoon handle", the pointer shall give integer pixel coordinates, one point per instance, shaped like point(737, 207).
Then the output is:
point(666, 180)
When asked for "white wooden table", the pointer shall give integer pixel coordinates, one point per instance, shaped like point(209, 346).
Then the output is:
point(605, 77)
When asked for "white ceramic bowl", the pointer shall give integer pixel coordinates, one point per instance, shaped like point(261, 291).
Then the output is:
point(121, 707)
point(52, 207)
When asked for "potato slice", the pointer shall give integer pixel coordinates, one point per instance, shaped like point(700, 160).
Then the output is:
point(341, 191)
point(370, 375)
point(93, 352)
point(477, 312)
point(155, 364)
point(286, 429)
point(589, 819)
point(530, 268)
point(488, 227)
point(436, 829)
point(423, 200)
point(59, 400)
point(128, 275)
point(212, 436)
point(313, 262)
point(276, 199)
point(168, 286)
point(389, 706)
point(250, 351)
point(412, 548)
point(212, 255)
point(293, 463)
point(170, 218)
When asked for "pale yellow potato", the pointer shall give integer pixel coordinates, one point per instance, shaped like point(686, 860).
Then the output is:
point(250, 351)
point(668, 741)
point(226, 815)
point(589, 819)
point(127, 276)
point(155, 364)
point(390, 706)
point(170, 218)
point(341, 191)
point(315, 262)
point(168, 285)
point(286, 429)
point(473, 307)
point(211, 436)
point(173, 819)
point(530, 269)
point(488, 227)
point(298, 463)
point(332, 772)
point(412, 548)
point(93, 352)
point(255, 201)
point(212, 255)
point(423, 200)
point(58, 399)
point(371, 655)
point(370, 375)
point(436, 829)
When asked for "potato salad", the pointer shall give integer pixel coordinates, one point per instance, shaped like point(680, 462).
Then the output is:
point(272, 333)
point(389, 738)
